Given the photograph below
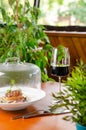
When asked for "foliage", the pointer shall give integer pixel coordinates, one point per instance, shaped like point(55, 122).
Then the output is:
point(73, 9)
point(60, 2)
point(73, 96)
point(61, 52)
point(21, 36)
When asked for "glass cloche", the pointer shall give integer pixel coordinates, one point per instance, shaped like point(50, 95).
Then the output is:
point(12, 72)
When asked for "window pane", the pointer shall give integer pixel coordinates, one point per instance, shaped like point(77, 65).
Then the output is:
point(63, 12)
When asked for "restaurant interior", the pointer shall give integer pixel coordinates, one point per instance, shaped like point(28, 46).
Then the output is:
point(42, 65)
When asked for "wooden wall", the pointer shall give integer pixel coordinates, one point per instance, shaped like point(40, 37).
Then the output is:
point(75, 41)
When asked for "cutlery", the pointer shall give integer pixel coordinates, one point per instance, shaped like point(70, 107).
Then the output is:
point(28, 114)
point(36, 114)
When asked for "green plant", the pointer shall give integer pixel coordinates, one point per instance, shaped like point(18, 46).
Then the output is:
point(22, 37)
point(61, 52)
point(73, 96)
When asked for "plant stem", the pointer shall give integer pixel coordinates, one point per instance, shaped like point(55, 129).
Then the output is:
point(17, 13)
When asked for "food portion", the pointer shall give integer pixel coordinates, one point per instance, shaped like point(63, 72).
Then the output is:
point(13, 96)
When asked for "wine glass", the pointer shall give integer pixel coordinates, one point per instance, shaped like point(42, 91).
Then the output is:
point(60, 63)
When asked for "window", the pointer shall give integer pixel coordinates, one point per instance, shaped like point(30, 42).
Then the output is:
point(63, 12)
point(57, 12)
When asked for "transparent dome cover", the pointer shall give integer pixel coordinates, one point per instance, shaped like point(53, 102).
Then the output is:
point(20, 74)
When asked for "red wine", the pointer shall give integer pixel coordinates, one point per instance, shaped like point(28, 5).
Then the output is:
point(62, 70)
point(59, 70)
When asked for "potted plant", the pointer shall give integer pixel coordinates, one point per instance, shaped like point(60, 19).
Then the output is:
point(73, 96)
point(21, 36)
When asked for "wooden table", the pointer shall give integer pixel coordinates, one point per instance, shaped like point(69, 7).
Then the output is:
point(54, 122)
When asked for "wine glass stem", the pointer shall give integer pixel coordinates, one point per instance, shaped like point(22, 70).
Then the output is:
point(59, 83)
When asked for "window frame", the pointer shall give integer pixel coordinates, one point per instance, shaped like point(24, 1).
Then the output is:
point(61, 28)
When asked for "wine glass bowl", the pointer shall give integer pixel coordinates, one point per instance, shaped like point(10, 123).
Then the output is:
point(63, 62)
point(60, 63)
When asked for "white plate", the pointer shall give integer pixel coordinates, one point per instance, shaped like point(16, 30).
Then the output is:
point(32, 93)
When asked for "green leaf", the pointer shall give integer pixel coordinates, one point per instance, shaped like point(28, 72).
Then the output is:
point(3, 12)
point(11, 2)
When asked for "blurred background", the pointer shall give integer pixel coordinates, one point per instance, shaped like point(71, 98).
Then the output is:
point(58, 12)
